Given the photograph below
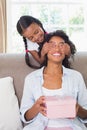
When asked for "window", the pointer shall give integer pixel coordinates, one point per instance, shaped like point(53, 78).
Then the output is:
point(71, 16)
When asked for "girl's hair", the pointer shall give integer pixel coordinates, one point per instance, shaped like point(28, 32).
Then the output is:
point(64, 36)
point(23, 23)
point(27, 59)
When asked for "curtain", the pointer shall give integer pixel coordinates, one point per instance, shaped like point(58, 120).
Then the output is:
point(3, 26)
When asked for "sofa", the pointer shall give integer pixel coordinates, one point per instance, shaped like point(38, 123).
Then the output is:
point(13, 65)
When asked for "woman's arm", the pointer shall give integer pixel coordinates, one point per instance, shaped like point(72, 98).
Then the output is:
point(82, 98)
point(39, 106)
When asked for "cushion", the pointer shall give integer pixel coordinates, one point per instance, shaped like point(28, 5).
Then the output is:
point(9, 109)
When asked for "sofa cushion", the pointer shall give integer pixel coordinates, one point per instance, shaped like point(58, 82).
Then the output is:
point(9, 109)
point(14, 65)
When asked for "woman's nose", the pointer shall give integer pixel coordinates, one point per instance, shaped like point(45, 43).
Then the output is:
point(57, 47)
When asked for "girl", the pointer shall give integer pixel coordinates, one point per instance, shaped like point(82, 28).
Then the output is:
point(33, 33)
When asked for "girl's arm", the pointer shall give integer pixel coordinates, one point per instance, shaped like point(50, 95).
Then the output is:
point(44, 51)
point(37, 57)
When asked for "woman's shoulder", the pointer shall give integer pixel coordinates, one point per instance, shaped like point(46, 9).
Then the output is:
point(35, 73)
point(72, 72)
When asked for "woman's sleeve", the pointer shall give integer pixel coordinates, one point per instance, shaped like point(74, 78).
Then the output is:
point(27, 98)
point(82, 95)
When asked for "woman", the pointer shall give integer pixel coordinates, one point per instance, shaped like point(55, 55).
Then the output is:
point(33, 36)
point(53, 79)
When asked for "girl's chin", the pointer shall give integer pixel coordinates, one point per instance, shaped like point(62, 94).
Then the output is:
point(40, 41)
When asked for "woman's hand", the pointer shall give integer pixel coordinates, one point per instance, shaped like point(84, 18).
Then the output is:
point(81, 112)
point(77, 107)
point(40, 105)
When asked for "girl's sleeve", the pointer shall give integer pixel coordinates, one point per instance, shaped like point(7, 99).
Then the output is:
point(32, 46)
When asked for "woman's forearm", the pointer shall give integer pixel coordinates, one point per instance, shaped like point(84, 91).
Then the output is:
point(31, 113)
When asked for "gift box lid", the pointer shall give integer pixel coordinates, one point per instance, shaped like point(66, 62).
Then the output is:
point(60, 100)
point(61, 128)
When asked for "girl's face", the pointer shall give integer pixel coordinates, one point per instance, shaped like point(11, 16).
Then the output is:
point(57, 52)
point(34, 33)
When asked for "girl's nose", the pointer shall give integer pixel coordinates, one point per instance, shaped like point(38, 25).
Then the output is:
point(35, 38)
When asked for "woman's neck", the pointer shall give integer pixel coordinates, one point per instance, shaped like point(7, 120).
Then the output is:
point(53, 69)
point(53, 76)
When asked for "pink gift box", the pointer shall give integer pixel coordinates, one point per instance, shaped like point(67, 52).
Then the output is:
point(62, 128)
point(60, 107)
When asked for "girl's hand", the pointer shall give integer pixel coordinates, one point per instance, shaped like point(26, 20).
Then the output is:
point(46, 47)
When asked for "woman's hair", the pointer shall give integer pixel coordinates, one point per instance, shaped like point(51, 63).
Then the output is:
point(23, 23)
point(64, 36)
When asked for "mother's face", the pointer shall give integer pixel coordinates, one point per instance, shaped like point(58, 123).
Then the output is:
point(34, 33)
point(57, 52)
